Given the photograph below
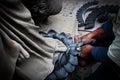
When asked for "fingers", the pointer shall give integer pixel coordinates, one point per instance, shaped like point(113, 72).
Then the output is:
point(19, 60)
point(24, 53)
point(86, 52)
point(82, 63)
point(76, 38)
point(82, 55)
point(85, 55)
point(21, 56)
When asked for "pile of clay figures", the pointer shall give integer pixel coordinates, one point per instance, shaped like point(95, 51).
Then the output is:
point(97, 12)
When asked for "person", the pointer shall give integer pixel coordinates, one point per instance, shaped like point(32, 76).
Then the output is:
point(22, 50)
point(105, 50)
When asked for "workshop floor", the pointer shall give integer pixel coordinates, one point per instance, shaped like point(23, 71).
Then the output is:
point(66, 22)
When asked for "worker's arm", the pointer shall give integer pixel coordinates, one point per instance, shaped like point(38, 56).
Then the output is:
point(96, 53)
point(102, 32)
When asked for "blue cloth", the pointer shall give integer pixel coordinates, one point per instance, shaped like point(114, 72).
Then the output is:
point(107, 27)
point(100, 55)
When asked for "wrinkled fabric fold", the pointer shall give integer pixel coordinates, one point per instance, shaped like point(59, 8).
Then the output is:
point(19, 34)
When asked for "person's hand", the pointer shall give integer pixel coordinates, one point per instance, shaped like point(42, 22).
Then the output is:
point(86, 51)
point(84, 38)
point(87, 37)
point(12, 48)
point(98, 33)
point(85, 54)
